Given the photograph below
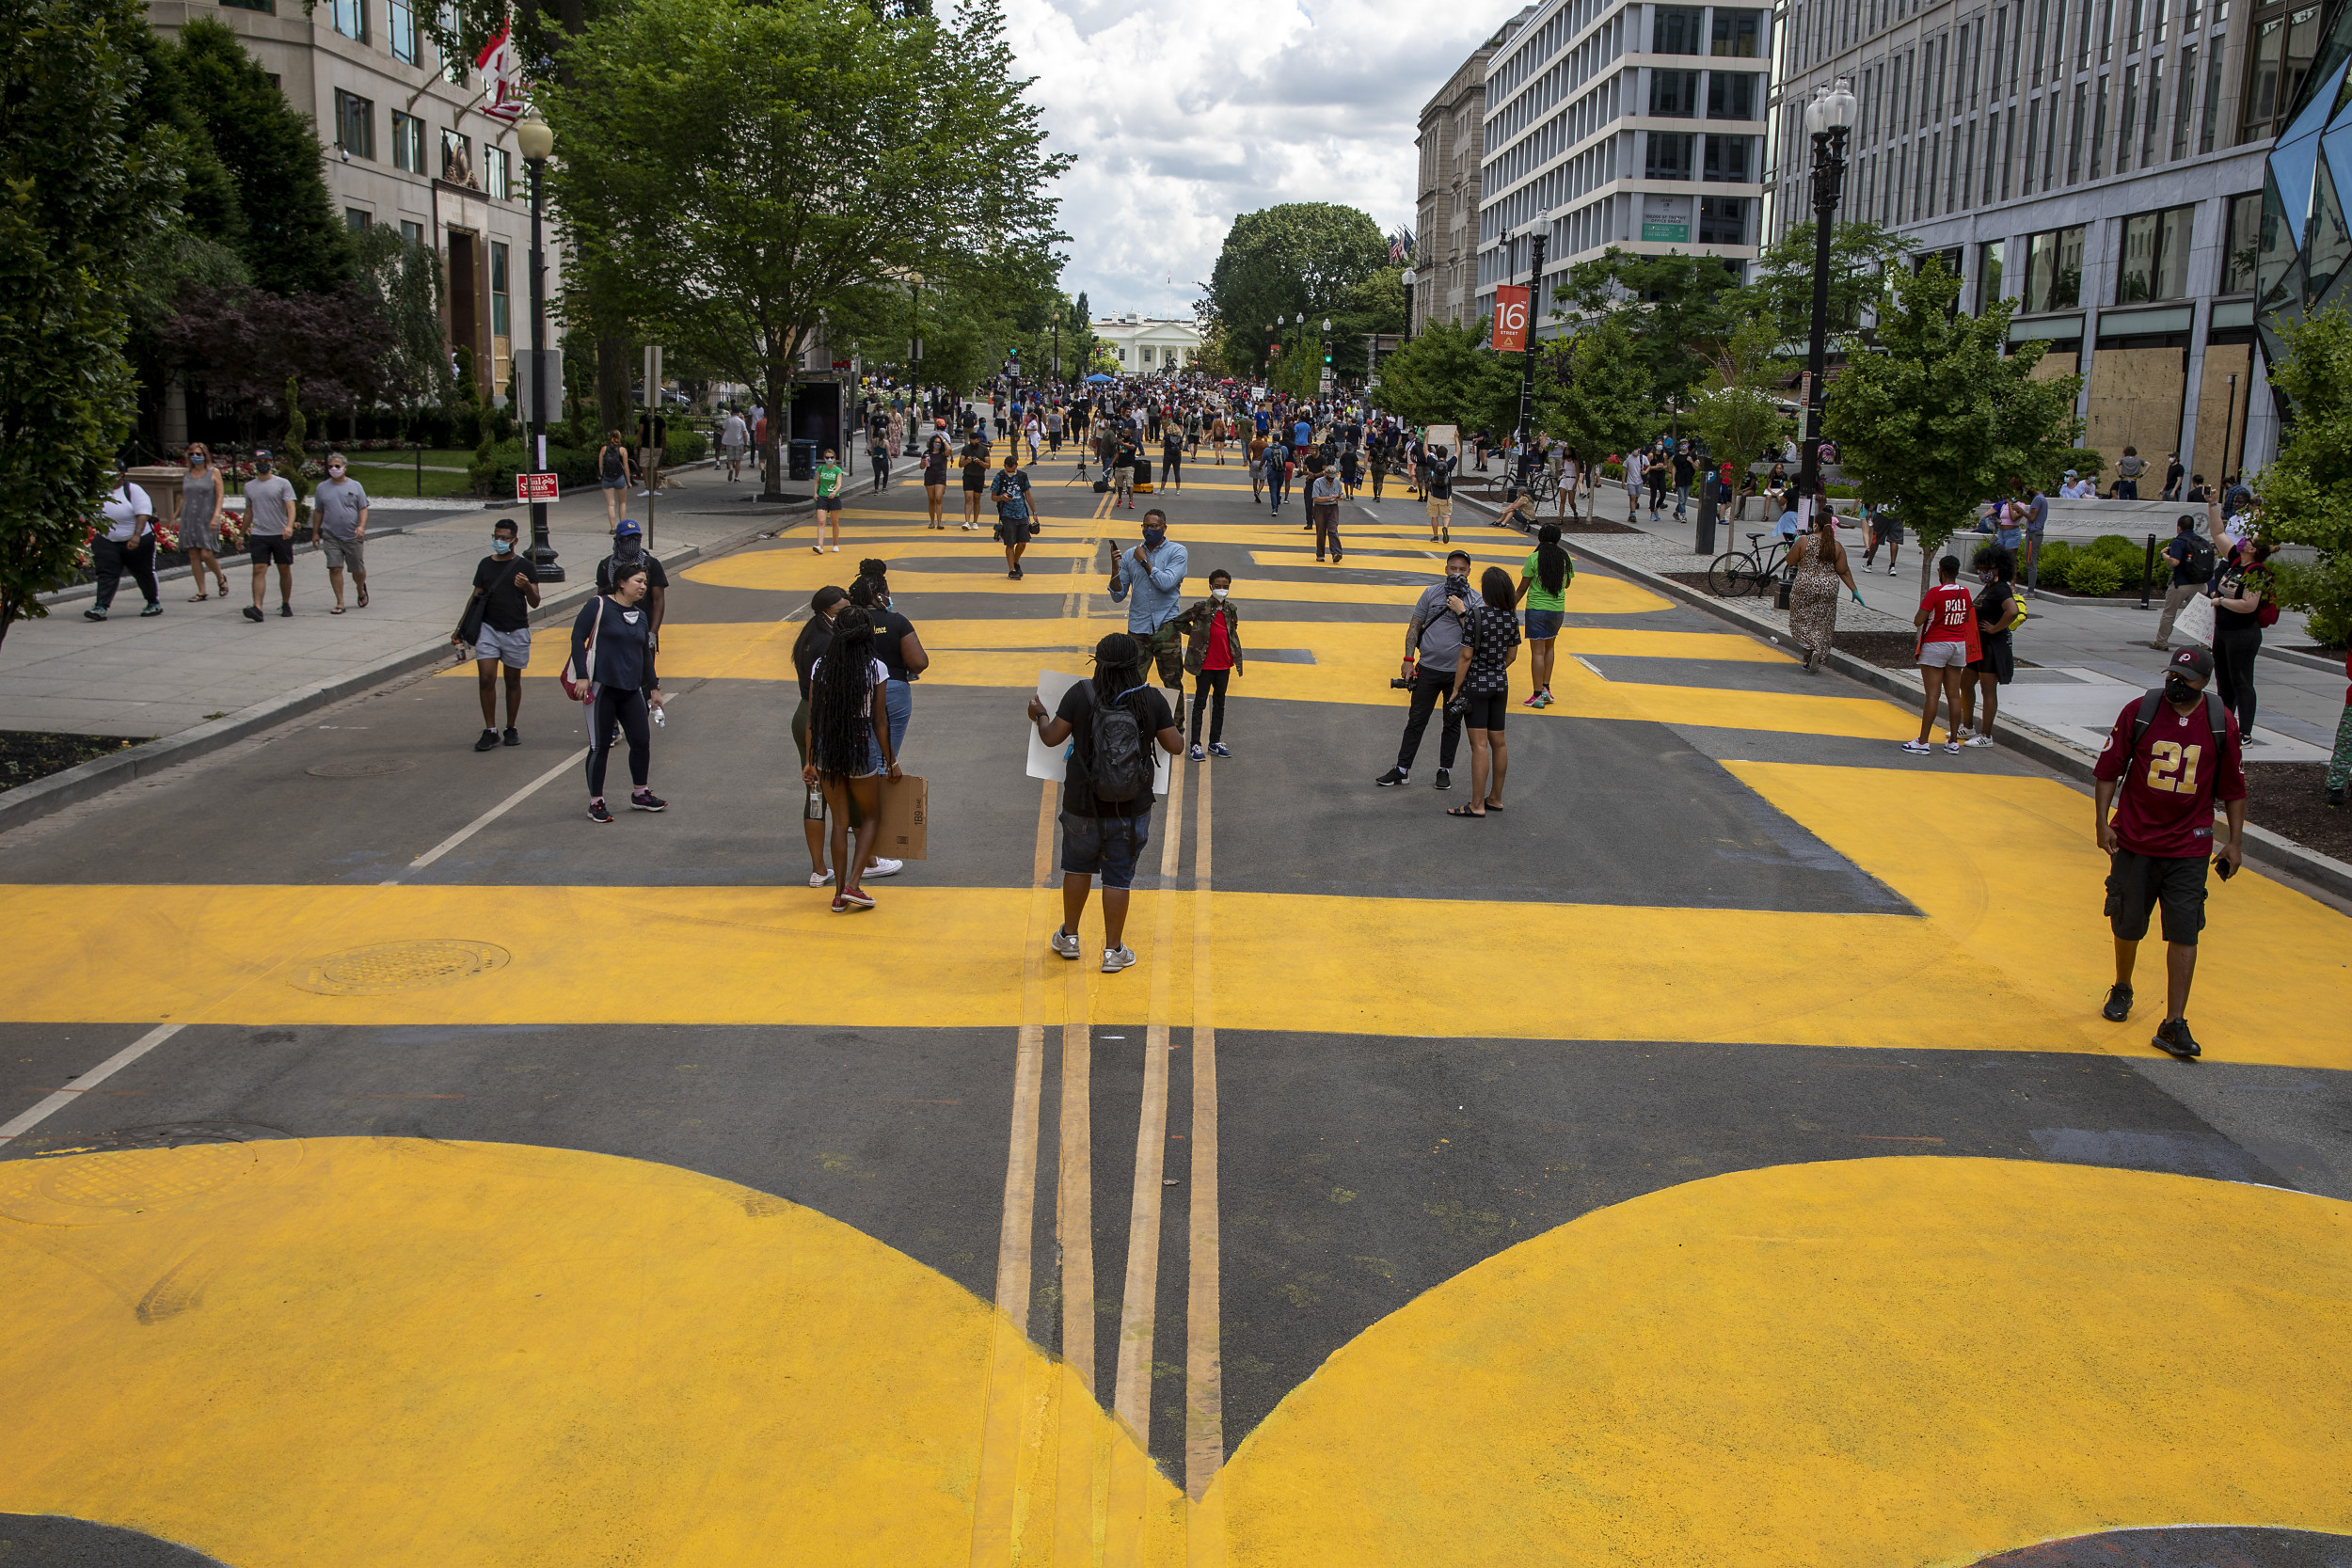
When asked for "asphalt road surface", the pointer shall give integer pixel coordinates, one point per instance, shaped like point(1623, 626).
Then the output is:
point(1714, 1157)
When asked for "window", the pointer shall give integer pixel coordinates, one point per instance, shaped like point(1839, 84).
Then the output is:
point(356, 219)
point(2123, 122)
point(412, 232)
point(498, 172)
point(2156, 256)
point(1669, 155)
point(1730, 96)
point(355, 124)
point(2181, 101)
point(1674, 94)
point(2099, 130)
point(401, 17)
point(1736, 34)
point(2053, 269)
point(350, 18)
point(2212, 99)
point(1675, 29)
point(267, 7)
point(408, 143)
point(2075, 142)
point(1722, 219)
point(2242, 249)
point(1989, 276)
point(501, 316)
point(457, 159)
point(2285, 42)
point(1726, 162)
point(2156, 111)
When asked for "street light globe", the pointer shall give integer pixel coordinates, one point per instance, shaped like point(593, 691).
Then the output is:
point(1839, 110)
point(535, 136)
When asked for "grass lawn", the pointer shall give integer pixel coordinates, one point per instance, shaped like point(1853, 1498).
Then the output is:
point(389, 474)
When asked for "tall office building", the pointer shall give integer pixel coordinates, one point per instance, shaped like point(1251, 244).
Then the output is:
point(1636, 125)
point(1452, 151)
point(2099, 161)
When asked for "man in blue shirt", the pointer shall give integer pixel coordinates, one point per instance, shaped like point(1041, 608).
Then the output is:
point(1302, 435)
point(1150, 579)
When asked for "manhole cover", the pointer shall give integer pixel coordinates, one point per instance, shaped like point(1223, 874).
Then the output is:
point(125, 1178)
point(397, 966)
point(359, 769)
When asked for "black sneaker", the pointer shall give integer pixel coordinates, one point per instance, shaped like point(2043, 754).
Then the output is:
point(286, 611)
point(1391, 779)
point(513, 735)
point(2172, 1035)
point(2119, 1006)
point(93, 615)
point(596, 811)
point(490, 742)
point(1445, 778)
point(253, 613)
point(645, 799)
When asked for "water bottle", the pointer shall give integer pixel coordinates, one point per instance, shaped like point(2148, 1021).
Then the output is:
point(815, 810)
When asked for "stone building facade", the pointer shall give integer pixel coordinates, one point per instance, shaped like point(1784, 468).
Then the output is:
point(1453, 154)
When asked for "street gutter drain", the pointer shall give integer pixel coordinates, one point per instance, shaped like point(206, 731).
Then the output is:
point(399, 966)
point(360, 770)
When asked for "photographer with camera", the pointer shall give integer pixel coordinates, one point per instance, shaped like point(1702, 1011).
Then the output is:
point(1433, 650)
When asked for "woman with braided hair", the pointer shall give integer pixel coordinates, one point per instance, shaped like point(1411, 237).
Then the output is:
point(849, 746)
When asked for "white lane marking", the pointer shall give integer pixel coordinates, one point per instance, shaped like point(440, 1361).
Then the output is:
point(574, 760)
point(90, 1080)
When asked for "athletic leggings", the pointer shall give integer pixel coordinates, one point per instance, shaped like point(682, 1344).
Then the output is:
point(2233, 656)
point(1209, 693)
point(627, 710)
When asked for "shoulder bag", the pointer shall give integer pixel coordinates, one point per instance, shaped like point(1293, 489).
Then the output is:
point(578, 676)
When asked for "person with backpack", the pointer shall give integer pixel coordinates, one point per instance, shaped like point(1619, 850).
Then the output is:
point(2244, 602)
point(850, 748)
point(612, 667)
point(1277, 473)
point(1437, 475)
point(1544, 580)
point(1009, 489)
point(497, 622)
point(2192, 558)
point(613, 474)
point(2175, 752)
point(1111, 720)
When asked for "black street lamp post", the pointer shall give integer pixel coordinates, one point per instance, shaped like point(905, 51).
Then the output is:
point(1539, 231)
point(1829, 117)
point(537, 141)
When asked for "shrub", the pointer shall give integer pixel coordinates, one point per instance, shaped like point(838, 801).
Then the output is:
point(2094, 574)
point(686, 446)
point(2056, 564)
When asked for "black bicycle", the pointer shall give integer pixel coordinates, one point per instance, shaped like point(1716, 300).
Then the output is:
point(1734, 572)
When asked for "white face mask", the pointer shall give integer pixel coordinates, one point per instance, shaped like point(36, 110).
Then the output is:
point(1219, 593)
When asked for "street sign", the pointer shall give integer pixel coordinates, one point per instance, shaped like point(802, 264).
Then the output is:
point(537, 487)
point(1510, 333)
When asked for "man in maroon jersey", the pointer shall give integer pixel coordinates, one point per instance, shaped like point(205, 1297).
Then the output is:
point(2176, 752)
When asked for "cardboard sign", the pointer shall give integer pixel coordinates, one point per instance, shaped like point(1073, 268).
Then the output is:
point(1510, 333)
point(537, 487)
point(1053, 762)
point(906, 810)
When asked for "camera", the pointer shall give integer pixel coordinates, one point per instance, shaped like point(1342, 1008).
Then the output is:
point(1400, 683)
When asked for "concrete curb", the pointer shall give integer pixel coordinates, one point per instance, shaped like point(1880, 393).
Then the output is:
point(2053, 751)
point(2308, 661)
point(32, 801)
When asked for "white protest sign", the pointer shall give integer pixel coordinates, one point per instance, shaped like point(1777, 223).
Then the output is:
point(1052, 762)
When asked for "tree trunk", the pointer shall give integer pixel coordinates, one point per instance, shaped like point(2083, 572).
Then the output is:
point(612, 384)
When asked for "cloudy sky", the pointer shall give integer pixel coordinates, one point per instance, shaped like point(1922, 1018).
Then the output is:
point(1183, 113)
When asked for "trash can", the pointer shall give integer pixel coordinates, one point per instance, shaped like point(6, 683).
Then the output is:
point(800, 462)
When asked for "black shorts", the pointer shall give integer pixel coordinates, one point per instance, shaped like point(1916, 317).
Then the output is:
point(264, 551)
point(1487, 711)
point(2000, 657)
point(2138, 884)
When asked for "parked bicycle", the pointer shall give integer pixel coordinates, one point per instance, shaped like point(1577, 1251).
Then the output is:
point(1753, 570)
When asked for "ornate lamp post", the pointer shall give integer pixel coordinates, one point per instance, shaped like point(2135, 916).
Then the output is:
point(1829, 118)
point(538, 140)
point(1539, 232)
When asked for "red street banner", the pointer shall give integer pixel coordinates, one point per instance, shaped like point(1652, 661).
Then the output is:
point(535, 487)
point(1510, 334)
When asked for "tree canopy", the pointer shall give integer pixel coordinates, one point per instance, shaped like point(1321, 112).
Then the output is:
point(2307, 491)
point(1303, 257)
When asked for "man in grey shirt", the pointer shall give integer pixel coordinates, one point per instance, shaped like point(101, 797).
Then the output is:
point(339, 511)
point(1434, 635)
point(269, 516)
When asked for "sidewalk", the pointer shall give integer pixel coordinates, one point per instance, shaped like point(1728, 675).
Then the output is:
point(169, 673)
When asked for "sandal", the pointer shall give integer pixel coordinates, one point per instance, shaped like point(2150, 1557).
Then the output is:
point(337, 610)
point(1464, 811)
point(197, 598)
point(1494, 805)
point(363, 598)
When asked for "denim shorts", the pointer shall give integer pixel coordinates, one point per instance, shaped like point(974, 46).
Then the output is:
point(1543, 624)
point(1108, 844)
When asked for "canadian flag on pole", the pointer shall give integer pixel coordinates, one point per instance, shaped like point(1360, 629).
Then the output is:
point(502, 77)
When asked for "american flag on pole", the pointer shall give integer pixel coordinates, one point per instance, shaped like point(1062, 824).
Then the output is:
point(501, 75)
point(1396, 252)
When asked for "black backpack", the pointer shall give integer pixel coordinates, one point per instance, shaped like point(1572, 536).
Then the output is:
point(614, 464)
point(2198, 565)
point(1122, 769)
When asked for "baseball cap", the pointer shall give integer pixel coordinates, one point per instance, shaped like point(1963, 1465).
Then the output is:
point(260, 454)
point(2191, 661)
point(626, 525)
point(2071, 474)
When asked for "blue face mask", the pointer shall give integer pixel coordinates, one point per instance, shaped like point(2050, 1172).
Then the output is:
point(500, 547)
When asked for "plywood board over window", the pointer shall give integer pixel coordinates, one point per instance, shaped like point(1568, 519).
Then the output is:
point(2216, 407)
point(2136, 400)
point(2054, 364)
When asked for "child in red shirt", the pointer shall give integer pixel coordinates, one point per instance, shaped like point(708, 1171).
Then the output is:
point(1212, 631)
point(1947, 643)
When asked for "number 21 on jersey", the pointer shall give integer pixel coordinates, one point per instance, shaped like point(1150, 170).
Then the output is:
point(2173, 766)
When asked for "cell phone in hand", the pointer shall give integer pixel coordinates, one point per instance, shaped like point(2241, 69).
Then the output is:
point(2225, 866)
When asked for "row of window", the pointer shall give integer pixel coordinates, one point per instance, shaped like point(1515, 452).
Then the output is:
point(1822, 29)
point(1686, 30)
point(1675, 94)
point(1724, 160)
point(1674, 30)
point(354, 134)
point(358, 219)
point(351, 19)
point(2151, 265)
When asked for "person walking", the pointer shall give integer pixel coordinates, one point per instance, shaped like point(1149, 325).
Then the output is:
point(2242, 596)
point(613, 472)
point(808, 648)
point(1884, 528)
point(1946, 620)
point(1112, 719)
point(202, 501)
point(270, 508)
point(2176, 752)
point(2191, 556)
point(1122, 463)
point(1482, 688)
point(612, 650)
point(1437, 473)
point(975, 465)
point(2037, 523)
point(935, 480)
point(498, 615)
point(1685, 469)
point(850, 749)
point(733, 436)
point(1323, 507)
point(831, 477)
point(629, 551)
point(1656, 471)
point(1010, 491)
point(338, 516)
point(1150, 579)
point(653, 442)
point(1172, 453)
point(125, 544)
point(878, 452)
point(1819, 564)
point(1544, 580)
point(1212, 655)
point(1433, 646)
point(1277, 473)
point(1998, 612)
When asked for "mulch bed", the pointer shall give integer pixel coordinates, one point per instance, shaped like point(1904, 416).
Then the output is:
point(27, 755)
point(2290, 799)
point(1587, 524)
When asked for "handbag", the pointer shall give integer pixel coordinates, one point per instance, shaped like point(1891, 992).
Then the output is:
point(578, 676)
point(1100, 485)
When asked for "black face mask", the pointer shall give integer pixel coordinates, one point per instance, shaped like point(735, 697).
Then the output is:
point(1458, 587)
point(2177, 689)
point(628, 546)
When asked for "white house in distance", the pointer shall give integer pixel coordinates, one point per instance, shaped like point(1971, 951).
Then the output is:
point(1147, 347)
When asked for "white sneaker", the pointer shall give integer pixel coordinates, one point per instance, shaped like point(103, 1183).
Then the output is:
point(1918, 747)
point(836, 549)
point(1116, 958)
point(1890, 571)
point(1952, 745)
point(1065, 943)
point(1977, 740)
point(884, 866)
point(821, 879)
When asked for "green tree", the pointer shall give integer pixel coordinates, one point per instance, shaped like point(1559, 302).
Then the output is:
point(1674, 306)
point(1281, 263)
point(1594, 394)
point(1446, 375)
point(1860, 257)
point(1737, 411)
point(1941, 419)
point(740, 172)
point(291, 237)
point(2307, 490)
point(404, 277)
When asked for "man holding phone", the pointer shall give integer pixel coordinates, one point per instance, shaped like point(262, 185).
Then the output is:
point(2176, 752)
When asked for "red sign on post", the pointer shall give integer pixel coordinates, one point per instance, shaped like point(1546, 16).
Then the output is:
point(1510, 334)
point(535, 487)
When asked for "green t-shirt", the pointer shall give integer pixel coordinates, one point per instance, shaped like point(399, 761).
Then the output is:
point(829, 477)
point(1536, 598)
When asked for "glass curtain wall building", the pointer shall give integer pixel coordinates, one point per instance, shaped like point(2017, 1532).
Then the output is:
point(2303, 242)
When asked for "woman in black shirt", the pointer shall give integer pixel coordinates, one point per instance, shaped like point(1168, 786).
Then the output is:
point(2240, 589)
point(1482, 686)
point(807, 649)
point(935, 480)
point(1999, 611)
point(619, 669)
point(975, 481)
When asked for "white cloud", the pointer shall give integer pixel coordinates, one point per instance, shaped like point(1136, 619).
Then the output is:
point(1184, 113)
